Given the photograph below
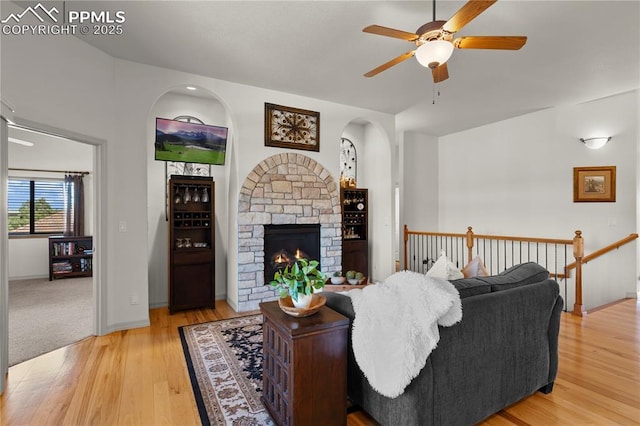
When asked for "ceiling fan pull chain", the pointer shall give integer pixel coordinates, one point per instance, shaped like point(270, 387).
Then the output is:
point(433, 94)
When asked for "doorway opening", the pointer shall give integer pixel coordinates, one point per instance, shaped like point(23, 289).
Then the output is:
point(51, 299)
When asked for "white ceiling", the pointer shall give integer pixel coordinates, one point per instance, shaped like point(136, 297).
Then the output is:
point(576, 51)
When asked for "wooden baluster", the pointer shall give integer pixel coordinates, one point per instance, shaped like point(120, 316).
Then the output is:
point(469, 237)
point(406, 238)
point(578, 253)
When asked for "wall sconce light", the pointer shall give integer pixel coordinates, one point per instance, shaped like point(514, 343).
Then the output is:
point(595, 143)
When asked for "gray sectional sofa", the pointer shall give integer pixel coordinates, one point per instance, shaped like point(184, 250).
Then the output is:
point(504, 349)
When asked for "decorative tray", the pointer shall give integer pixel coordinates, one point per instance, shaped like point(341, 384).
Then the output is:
point(287, 307)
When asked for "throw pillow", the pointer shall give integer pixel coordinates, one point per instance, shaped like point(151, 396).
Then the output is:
point(444, 269)
point(475, 268)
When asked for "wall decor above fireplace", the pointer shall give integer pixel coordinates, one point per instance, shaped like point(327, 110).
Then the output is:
point(293, 128)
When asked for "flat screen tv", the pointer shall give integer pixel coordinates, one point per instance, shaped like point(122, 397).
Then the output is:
point(190, 142)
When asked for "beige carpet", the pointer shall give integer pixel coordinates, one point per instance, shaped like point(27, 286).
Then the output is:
point(46, 315)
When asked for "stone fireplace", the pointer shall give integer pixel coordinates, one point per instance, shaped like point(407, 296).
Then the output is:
point(284, 189)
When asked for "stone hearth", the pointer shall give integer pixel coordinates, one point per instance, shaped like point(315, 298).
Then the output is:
point(287, 188)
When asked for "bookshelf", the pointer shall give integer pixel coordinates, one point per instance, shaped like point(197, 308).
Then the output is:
point(70, 257)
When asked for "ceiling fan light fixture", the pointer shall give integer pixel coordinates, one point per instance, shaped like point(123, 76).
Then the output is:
point(434, 53)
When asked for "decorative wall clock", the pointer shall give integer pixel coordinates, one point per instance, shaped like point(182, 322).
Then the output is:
point(348, 163)
point(293, 128)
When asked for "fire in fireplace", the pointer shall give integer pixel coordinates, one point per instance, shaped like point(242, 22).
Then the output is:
point(285, 244)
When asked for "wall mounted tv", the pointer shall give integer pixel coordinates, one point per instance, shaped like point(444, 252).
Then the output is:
point(190, 142)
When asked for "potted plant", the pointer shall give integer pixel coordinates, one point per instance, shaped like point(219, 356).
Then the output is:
point(299, 281)
point(337, 278)
point(355, 277)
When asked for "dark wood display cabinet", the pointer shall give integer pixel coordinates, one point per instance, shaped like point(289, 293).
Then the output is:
point(191, 243)
point(304, 374)
point(70, 257)
point(355, 224)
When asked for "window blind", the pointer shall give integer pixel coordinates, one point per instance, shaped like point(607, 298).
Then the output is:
point(36, 206)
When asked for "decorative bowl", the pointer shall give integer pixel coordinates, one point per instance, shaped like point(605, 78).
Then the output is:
point(354, 281)
point(287, 307)
point(338, 280)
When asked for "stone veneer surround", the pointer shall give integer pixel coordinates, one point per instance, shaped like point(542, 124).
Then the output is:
point(287, 188)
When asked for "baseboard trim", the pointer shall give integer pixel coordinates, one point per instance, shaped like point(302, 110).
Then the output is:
point(165, 304)
point(233, 306)
point(29, 277)
point(615, 302)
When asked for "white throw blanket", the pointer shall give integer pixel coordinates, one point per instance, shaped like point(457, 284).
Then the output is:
point(396, 327)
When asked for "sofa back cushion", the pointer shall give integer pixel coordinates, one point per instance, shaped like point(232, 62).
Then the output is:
point(516, 276)
point(468, 287)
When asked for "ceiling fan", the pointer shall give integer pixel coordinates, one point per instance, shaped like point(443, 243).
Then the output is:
point(435, 43)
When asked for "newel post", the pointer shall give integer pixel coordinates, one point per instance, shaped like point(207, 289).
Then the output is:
point(578, 253)
point(469, 238)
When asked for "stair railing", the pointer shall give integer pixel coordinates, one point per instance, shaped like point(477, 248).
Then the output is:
point(581, 259)
point(499, 252)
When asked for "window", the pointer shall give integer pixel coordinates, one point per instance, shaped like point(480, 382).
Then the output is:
point(37, 206)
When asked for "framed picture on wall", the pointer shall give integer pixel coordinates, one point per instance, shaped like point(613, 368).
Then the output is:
point(594, 184)
point(293, 128)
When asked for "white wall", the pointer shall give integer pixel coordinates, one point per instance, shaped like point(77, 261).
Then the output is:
point(29, 256)
point(515, 177)
point(378, 178)
point(419, 181)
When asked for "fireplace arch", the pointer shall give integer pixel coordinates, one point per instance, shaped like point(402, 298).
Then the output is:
point(287, 188)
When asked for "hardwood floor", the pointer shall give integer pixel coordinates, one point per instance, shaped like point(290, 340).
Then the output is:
point(139, 377)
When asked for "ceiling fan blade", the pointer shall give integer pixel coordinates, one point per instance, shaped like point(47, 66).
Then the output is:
point(389, 64)
point(390, 32)
point(490, 42)
point(466, 14)
point(440, 73)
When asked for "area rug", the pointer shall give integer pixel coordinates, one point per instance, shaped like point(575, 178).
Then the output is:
point(224, 359)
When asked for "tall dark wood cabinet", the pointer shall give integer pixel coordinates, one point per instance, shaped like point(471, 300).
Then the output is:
point(355, 224)
point(191, 243)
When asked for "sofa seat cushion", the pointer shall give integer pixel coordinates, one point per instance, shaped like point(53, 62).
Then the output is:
point(516, 276)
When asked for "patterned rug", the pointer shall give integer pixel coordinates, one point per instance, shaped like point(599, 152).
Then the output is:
point(224, 359)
